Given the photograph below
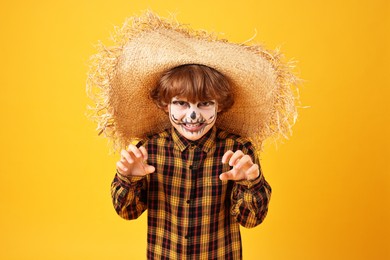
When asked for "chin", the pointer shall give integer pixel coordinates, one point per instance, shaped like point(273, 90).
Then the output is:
point(193, 136)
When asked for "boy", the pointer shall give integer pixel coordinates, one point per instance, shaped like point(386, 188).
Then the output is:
point(199, 106)
point(182, 176)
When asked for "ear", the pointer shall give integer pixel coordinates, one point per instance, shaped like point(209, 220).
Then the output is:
point(164, 108)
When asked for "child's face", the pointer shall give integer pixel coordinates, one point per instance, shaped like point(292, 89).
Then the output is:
point(192, 120)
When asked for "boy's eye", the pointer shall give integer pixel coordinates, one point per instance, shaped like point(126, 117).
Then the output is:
point(206, 103)
point(179, 103)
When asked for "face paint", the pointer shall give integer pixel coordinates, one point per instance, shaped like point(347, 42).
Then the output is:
point(192, 120)
point(193, 115)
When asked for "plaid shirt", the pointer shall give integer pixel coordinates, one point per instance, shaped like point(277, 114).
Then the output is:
point(192, 214)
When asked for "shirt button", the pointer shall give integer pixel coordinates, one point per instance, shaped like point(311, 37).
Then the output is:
point(188, 201)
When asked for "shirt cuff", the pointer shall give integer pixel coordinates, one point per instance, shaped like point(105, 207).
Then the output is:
point(128, 180)
point(250, 183)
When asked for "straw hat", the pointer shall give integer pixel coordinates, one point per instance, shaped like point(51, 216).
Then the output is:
point(121, 77)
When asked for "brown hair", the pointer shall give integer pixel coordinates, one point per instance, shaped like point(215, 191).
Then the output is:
point(194, 82)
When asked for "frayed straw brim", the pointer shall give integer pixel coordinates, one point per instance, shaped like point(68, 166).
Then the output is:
point(121, 77)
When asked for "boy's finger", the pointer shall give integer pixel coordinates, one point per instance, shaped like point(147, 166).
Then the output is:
point(125, 155)
point(149, 169)
point(226, 156)
point(253, 172)
point(236, 156)
point(132, 148)
point(144, 153)
point(121, 167)
point(243, 161)
point(227, 176)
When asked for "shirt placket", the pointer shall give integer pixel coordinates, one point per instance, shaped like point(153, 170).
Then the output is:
point(189, 200)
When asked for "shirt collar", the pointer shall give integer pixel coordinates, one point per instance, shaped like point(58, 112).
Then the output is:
point(205, 143)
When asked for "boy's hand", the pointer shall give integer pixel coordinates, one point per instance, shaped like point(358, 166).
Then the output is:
point(243, 167)
point(133, 162)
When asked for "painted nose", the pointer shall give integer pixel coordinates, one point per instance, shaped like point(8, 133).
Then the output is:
point(193, 115)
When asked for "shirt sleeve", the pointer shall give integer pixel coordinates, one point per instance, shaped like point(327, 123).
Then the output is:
point(250, 199)
point(129, 195)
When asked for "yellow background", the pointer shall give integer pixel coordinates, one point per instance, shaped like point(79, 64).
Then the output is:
point(330, 180)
